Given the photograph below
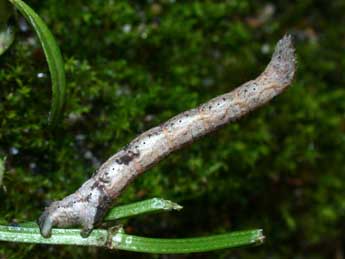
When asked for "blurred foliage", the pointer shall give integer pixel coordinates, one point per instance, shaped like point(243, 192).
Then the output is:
point(133, 64)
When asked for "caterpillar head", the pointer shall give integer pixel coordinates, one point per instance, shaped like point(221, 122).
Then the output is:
point(84, 208)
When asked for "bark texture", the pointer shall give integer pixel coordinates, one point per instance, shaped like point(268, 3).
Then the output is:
point(87, 206)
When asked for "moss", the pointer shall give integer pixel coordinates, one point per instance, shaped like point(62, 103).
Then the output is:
point(134, 64)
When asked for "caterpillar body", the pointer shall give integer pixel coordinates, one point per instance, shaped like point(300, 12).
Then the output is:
point(87, 206)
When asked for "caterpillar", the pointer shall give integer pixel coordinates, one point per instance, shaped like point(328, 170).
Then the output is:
point(88, 205)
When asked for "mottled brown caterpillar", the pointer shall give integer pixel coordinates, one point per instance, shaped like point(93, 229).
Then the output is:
point(87, 206)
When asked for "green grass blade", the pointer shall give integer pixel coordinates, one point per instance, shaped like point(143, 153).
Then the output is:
point(6, 37)
point(53, 56)
point(186, 245)
point(98, 237)
point(153, 205)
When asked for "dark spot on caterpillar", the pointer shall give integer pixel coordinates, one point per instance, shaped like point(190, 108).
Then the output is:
point(128, 157)
point(88, 197)
point(157, 132)
point(125, 159)
point(136, 153)
point(209, 107)
point(150, 135)
point(223, 98)
point(179, 121)
point(104, 204)
point(218, 104)
point(97, 185)
point(245, 90)
point(172, 124)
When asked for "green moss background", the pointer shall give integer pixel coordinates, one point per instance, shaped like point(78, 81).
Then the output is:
point(133, 64)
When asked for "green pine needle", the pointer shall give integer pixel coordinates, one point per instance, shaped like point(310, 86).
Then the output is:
point(53, 56)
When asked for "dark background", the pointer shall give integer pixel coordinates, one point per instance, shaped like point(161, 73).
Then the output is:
point(132, 65)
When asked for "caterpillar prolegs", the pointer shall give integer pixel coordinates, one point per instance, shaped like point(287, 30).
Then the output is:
point(87, 206)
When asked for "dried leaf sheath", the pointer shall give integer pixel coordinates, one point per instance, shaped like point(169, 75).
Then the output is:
point(87, 206)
